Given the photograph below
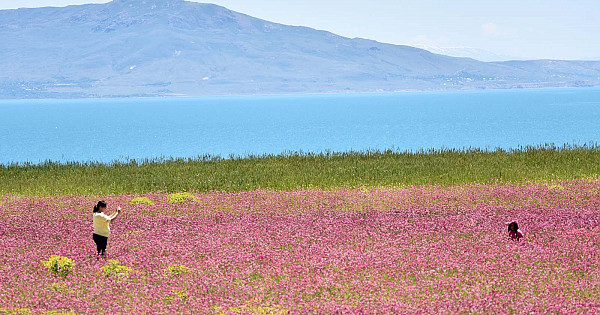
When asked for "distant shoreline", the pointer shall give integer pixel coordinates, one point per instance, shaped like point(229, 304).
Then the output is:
point(341, 93)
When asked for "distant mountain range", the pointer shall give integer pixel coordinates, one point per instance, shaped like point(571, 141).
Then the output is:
point(468, 52)
point(173, 47)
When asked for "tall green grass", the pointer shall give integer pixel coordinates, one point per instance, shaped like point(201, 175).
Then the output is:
point(304, 170)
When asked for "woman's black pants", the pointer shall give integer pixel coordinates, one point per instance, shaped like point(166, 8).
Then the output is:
point(100, 243)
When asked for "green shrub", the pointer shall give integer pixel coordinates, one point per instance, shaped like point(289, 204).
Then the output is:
point(181, 197)
point(61, 287)
point(176, 270)
point(59, 265)
point(114, 268)
point(556, 187)
point(141, 201)
point(181, 294)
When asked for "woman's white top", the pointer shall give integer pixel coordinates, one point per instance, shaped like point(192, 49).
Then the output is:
point(101, 224)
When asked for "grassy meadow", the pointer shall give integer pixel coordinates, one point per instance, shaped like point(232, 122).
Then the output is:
point(304, 171)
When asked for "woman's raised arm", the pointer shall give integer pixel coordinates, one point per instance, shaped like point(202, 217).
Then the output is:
point(116, 214)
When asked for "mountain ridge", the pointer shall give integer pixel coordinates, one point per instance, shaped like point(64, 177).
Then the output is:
point(164, 48)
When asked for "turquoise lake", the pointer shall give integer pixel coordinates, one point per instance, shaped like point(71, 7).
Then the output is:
point(117, 129)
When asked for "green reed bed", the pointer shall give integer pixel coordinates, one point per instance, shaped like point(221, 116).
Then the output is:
point(304, 170)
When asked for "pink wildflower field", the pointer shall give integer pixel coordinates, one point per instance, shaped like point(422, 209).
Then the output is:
point(421, 249)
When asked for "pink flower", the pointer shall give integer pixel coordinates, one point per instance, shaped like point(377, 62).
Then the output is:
point(311, 251)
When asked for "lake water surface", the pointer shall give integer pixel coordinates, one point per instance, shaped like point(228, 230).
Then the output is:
point(109, 129)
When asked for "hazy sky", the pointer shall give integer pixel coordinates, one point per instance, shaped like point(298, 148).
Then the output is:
point(559, 29)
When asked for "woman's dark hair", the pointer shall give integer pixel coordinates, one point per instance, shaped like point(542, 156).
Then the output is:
point(513, 227)
point(100, 204)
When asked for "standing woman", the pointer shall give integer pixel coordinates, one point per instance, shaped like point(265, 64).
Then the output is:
point(102, 226)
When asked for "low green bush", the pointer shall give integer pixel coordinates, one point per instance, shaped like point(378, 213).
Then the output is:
point(59, 265)
point(181, 294)
point(180, 198)
point(141, 201)
point(114, 268)
point(176, 270)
